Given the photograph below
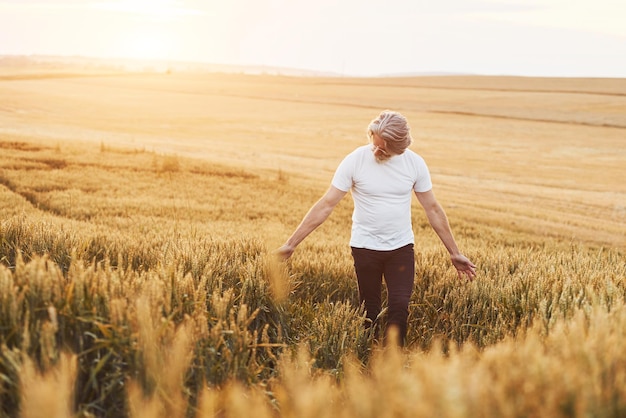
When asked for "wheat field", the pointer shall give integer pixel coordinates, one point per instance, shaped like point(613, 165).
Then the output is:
point(139, 214)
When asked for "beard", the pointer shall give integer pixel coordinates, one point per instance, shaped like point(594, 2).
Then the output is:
point(380, 154)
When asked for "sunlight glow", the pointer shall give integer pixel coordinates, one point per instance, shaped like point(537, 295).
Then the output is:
point(148, 45)
point(523, 37)
point(162, 9)
point(150, 34)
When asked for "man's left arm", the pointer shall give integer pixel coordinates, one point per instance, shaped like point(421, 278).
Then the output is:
point(439, 222)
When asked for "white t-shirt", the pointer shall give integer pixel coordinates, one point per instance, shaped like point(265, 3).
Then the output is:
point(382, 193)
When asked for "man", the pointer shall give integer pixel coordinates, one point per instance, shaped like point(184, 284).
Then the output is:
point(382, 176)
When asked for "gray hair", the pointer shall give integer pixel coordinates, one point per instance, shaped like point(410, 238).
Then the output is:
point(394, 129)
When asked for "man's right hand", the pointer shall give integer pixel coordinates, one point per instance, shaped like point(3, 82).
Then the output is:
point(284, 252)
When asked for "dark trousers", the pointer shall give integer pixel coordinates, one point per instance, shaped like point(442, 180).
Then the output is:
point(398, 269)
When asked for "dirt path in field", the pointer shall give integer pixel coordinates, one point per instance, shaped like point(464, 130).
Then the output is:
point(484, 115)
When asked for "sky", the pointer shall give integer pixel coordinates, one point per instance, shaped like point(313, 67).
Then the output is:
point(559, 38)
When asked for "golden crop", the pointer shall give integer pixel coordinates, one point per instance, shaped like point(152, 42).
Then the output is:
point(138, 215)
